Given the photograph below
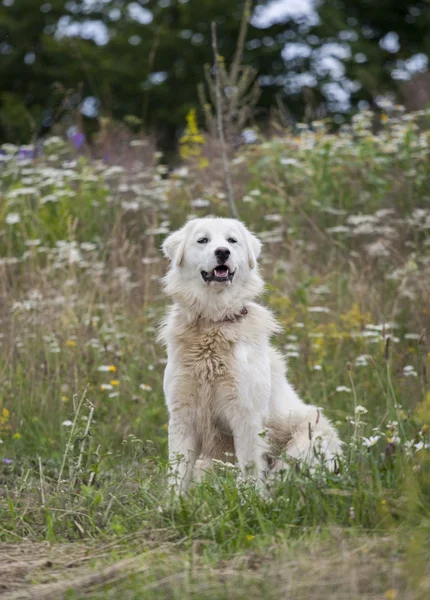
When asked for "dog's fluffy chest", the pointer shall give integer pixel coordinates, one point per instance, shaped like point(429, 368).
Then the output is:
point(207, 351)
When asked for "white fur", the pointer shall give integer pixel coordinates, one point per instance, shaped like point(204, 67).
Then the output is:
point(225, 386)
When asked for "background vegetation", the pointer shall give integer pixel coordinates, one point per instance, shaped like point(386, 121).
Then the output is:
point(84, 510)
point(76, 63)
point(97, 97)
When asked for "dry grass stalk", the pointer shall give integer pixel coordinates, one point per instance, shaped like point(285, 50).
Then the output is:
point(230, 195)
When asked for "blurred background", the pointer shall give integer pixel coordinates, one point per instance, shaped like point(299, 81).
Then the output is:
point(69, 65)
point(109, 141)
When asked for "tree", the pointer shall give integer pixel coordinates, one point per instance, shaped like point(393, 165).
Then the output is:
point(145, 58)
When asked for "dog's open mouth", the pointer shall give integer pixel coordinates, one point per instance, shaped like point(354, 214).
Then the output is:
point(221, 273)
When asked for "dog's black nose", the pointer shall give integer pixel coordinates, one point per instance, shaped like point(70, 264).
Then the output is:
point(222, 255)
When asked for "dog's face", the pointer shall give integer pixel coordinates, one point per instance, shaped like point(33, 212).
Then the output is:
point(212, 252)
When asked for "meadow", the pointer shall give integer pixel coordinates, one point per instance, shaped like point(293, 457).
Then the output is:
point(85, 511)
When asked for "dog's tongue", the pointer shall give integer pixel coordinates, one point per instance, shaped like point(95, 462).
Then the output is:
point(221, 272)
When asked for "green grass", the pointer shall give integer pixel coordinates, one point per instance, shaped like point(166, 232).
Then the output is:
point(345, 221)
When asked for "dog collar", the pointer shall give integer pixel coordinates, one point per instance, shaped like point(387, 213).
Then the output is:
point(242, 313)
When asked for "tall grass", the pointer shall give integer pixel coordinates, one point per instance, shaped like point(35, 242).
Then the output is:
point(345, 221)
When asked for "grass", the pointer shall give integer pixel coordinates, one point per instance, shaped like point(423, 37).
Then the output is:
point(84, 507)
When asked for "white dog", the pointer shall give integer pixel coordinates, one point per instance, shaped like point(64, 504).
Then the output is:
point(225, 386)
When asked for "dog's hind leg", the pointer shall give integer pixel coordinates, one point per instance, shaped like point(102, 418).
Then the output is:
point(305, 435)
point(314, 439)
point(299, 430)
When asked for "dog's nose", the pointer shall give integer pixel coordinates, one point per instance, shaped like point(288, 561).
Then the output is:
point(222, 255)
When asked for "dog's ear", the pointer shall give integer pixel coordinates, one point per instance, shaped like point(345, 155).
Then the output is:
point(174, 246)
point(253, 246)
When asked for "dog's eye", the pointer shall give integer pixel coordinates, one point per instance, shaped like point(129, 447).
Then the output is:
point(203, 241)
point(231, 241)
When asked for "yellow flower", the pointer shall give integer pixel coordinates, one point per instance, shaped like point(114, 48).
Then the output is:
point(391, 594)
point(250, 537)
point(17, 436)
point(64, 398)
point(4, 418)
point(71, 343)
point(203, 163)
point(192, 140)
point(112, 368)
point(354, 318)
point(114, 382)
point(384, 118)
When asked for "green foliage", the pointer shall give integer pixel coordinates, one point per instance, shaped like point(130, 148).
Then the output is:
point(54, 206)
point(151, 69)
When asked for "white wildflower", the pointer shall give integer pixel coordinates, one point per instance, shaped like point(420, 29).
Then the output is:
point(318, 309)
point(106, 386)
point(288, 161)
point(132, 205)
point(181, 172)
point(145, 387)
point(23, 191)
point(360, 219)
point(321, 290)
point(377, 249)
point(199, 203)
point(392, 425)
point(394, 440)
point(12, 218)
point(49, 198)
point(362, 360)
point(338, 229)
point(343, 388)
point(89, 246)
point(371, 441)
point(138, 143)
